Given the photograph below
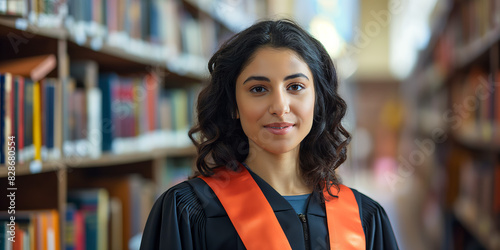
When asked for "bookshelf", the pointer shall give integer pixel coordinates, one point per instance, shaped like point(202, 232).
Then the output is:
point(139, 66)
point(454, 90)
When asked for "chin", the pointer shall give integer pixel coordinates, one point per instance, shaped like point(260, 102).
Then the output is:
point(279, 149)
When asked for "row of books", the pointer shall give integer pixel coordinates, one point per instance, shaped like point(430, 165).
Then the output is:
point(478, 196)
point(475, 98)
point(21, 107)
point(135, 26)
point(108, 213)
point(30, 230)
point(101, 214)
point(91, 113)
point(468, 32)
point(476, 19)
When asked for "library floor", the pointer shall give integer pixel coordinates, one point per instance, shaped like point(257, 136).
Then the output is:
point(404, 206)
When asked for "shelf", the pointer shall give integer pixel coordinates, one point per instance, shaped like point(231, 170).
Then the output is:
point(468, 53)
point(185, 68)
point(15, 23)
point(26, 169)
point(116, 159)
point(479, 226)
point(103, 161)
point(470, 139)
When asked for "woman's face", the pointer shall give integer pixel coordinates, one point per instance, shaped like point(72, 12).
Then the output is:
point(275, 98)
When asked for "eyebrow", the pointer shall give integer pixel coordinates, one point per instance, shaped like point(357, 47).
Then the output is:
point(265, 79)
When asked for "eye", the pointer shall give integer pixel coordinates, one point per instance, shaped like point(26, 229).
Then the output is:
point(295, 87)
point(257, 89)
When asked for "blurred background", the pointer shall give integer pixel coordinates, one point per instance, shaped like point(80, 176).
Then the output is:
point(99, 95)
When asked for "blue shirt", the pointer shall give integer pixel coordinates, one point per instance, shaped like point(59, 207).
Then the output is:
point(298, 202)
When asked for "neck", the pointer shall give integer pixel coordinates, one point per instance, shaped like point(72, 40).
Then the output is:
point(281, 171)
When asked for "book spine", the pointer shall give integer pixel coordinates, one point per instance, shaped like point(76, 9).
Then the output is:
point(8, 112)
point(50, 116)
point(37, 121)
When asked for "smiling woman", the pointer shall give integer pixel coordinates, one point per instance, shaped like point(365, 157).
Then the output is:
point(269, 140)
point(275, 103)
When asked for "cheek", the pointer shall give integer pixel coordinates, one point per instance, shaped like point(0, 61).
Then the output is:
point(249, 111)
point(249, 114)
point(306, 109)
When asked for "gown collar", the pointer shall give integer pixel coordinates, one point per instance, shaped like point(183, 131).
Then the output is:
point(279, 203)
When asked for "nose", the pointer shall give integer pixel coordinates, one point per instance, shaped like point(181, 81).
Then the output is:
point(280, 104)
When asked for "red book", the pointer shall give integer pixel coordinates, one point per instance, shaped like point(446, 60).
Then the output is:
point(79, 230)
point(18, 244)
point(152, 93)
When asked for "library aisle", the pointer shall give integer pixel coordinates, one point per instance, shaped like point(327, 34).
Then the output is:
point(98, 97)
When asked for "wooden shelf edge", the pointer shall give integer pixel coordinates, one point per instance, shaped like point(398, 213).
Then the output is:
point(103, 161)
point(22, 24)
point(476, 141)
point(25, 169)
point(116, 159)
point(474, 49)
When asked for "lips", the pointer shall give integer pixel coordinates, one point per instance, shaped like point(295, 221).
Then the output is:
point(280, 128)
point(279, 125)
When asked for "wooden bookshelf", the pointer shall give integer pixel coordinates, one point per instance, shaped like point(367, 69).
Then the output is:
point(442, 92)
point(139, 57)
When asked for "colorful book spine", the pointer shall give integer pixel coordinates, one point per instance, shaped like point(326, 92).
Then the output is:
point(37, 122)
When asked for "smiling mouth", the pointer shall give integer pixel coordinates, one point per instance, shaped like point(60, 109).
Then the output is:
point(279, 125)
point(281, 128)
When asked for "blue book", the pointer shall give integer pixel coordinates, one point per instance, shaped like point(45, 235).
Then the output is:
point(50, 116)
point(105, 85)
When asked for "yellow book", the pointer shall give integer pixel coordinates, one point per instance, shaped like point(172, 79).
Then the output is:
point(37, 121)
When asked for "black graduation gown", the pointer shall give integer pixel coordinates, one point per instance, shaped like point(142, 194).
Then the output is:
point(189, 216)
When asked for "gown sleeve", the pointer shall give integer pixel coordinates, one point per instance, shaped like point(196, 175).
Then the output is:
point(376, 224)
point(175, 221)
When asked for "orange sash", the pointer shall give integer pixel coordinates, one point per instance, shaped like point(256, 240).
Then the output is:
point(257, 225)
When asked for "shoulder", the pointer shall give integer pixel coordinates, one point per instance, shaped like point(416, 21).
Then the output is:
point(193, 198)
point(376, 224)
point(366, 204)
point(370, 210)
point(182, 198)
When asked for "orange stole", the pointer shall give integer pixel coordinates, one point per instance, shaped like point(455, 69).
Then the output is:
point(257, 225)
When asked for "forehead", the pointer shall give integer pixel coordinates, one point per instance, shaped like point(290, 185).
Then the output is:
point(269, 60)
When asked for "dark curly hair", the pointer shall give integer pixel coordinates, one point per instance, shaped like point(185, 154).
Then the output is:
point(221, 140)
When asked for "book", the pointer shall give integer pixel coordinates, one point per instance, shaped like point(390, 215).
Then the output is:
point(20, 119)
point(52, 151)
point(128, 190)
point(36, 68)
point(37, 122)
point(28, 153)
point(106, 83)
point(94, 204)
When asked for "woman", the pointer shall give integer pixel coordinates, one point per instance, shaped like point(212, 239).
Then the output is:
point(269, 140)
